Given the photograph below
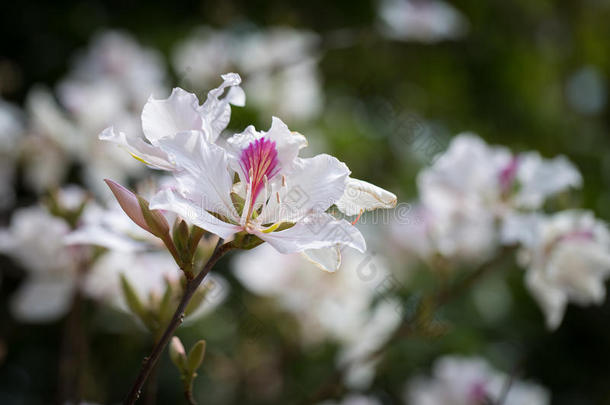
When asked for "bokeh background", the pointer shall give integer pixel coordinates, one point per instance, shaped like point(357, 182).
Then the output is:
point(528, 74)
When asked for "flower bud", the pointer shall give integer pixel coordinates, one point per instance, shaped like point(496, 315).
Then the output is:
point(177, 353)
point(129, 203)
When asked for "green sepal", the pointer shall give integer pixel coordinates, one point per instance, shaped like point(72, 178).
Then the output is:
point(195, 357)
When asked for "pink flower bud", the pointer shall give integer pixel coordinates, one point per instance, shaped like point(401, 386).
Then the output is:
point(129, 203)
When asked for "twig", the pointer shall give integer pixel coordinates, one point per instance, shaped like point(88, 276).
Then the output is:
point(191, 287)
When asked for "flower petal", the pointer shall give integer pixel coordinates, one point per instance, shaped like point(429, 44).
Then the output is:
point(315, 232)
point(167, 117)
point(541, 178)
point(216, 112)
point(327, 259)
point(43, 299)
point(363, 196)
point(315, 185)
point(138, 148)
point(191, 212)
point(206, 178)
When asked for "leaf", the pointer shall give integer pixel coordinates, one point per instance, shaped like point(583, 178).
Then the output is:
point(195, 357)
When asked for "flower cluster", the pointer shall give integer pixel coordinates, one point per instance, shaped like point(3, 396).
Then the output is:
point(476, 198)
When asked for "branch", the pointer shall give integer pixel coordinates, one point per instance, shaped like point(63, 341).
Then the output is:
point(178, 317)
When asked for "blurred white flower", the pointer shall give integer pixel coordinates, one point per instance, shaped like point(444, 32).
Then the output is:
point(34, 240)
point(421, 21)
point(201, 57)
point(136, 254)
point(116, 57)
point(108, 84)
point(471, 381)
point(280, 63)
point(282, 68)
point(567, 256)
point(471, 187)
point(333, 306)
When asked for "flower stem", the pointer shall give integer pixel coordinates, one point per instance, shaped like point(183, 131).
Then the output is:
point(188, 392)
point(191, 287)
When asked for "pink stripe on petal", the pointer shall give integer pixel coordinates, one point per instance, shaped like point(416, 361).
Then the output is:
point(259, 158)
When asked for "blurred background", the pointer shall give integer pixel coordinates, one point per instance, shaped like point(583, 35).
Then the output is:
point(383, 86)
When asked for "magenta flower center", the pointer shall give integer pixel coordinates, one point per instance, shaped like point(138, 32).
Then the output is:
point(478, 393)
point(508, 174)
point(259, 161)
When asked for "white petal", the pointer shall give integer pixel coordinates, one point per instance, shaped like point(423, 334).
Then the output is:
point(551, 299)
point(206, 179)
point(139, 149)
point(287, 142)
point(363, 196)
point(178, 113)
point(192, 212)
point(216, 112)
point(315, 185)
point(42, 299)
point(541, 178)
point(315, 232)
point(327, 259)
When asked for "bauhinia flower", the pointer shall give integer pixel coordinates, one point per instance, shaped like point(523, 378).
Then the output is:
point(471, 187)
point(261, 187)
point(568, 258)
point(179, 113)
point(257, 185)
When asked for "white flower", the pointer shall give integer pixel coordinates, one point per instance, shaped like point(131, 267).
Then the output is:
point(472, 186)
point(567, 255)
point(35, 241)
point(115, 56)
point(333, 306)
point(280, 198)
point(179, 114)
point(470, 381)
point(428, 22)
point(282, 68)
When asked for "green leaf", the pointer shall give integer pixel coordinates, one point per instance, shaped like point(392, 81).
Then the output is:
point(195, 357)
point(133, 302)
point(181, 240)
